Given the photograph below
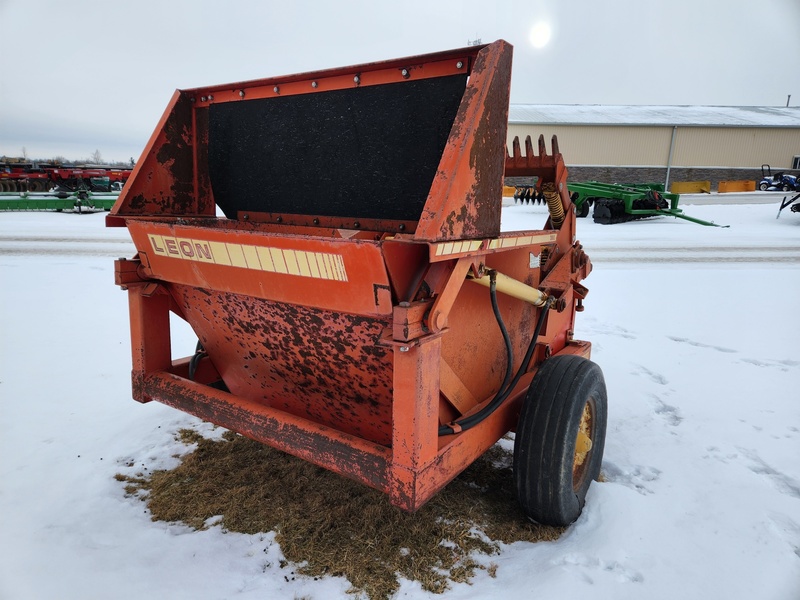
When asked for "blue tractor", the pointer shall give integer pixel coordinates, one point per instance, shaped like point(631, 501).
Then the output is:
point(779, 182)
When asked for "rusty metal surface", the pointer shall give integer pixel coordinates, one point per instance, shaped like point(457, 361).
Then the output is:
point(398, 70)
point(378, 226)
point(202, 181)
point(466, 196)
point(163, 181)
point(411, 489)
point(336, 451)
point(324, 366)
point(532, 164)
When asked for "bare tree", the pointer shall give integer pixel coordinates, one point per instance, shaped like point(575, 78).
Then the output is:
point(96, 158)
point(24, 153)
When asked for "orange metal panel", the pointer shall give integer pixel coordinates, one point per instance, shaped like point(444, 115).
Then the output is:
point(690, 187)
point(344, 275)
point(355, 223)
point(323, 365)
point(466, 195)
point(336, 79)
point(339, 452)
point(736, 186)
point(454, 390)
point(457, 452)
point(165, 180)
point(150, 339)
point(459, 248)
point(415, 415)
point(473, 346)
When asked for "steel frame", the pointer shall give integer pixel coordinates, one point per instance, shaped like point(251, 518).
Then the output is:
point(389, 307)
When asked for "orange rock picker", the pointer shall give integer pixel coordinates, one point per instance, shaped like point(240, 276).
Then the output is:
point(357, 305)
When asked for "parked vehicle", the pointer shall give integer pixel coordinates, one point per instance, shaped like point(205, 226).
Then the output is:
point(779, 182)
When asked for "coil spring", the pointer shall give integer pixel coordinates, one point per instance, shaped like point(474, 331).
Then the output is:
point(554, 205)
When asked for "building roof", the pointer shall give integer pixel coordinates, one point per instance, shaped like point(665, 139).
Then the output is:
point(684, 116)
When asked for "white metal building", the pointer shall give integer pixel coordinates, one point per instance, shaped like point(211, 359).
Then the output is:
point(711, 138)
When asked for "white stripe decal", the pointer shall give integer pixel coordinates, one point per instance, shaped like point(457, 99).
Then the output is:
point(315, 265)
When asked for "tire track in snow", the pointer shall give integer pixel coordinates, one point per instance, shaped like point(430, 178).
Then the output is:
point(37, 245)
point(54, 240)
point(698, 254)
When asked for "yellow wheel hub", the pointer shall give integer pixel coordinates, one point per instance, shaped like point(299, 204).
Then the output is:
point(583, 442)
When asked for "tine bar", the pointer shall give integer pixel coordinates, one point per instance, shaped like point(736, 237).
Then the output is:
point(541, 164)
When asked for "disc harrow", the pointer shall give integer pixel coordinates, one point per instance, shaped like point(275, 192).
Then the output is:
point(615, 203)
point(608, 211)
point(527, 194)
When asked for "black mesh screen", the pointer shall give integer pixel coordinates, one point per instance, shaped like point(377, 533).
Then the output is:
point(368, 152)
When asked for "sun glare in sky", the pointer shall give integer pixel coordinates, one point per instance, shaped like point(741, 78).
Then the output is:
point(540, 34)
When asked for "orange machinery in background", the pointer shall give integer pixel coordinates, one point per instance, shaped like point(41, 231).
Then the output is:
point(380, 326)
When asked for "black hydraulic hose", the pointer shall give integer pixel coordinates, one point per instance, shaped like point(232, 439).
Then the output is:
point(503, 330)
point(526, 361)
point(505, 390)
point(199, 353)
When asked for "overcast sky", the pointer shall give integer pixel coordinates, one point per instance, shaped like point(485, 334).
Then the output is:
point(86, 75)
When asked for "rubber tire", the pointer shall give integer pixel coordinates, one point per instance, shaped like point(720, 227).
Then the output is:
point(583, 211)
point(763, 187)
point(548, 425)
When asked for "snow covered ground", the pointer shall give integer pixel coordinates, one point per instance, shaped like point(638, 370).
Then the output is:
point(696, 330)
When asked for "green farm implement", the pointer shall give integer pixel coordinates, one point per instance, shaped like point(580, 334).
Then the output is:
point(616, 203)
point(79, 200)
